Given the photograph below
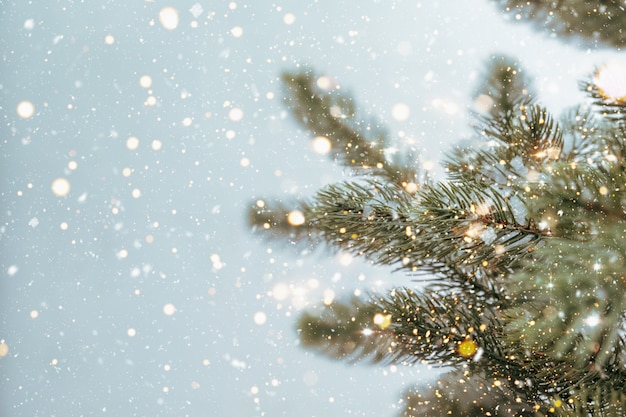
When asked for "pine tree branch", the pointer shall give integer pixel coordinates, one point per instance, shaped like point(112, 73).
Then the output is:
point(432, 328)
point(587, 331)
point(460, 394)
point(520, 143)
point(586, 22)
point(607, 106)
point(579, 126)
point(595, 401)
point(273, 219)
point(445, 226)
point(518, 138)
point(526, 242)
point(355, 144)
point(576, 199)
point(346, 331)
point(505, 86)
point(403, 327)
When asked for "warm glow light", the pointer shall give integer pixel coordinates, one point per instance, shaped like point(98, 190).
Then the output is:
point(4, 349)
point(169, 309)
point(260, 318)
point(235, 114)
point(60, 187)
point(410, 187)
point(329, 297)
point(483, 103)
point(168, 16)
point(216, 261)
point(296, 218)
point(550, 153)
point(321, 145)
point(325, 83)
point(145, 81)
point(610, 79)
point(132, 143)
point(345, 258)
point(400, 112)
point(25, 109)
point(382, 320)
point(474, 230)
point(281, 291)
point(289, 18)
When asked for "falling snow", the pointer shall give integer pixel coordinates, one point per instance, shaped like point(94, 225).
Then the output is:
point(136, 134)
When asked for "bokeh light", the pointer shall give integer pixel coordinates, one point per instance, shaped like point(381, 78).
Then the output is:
point(400, 112)
point(610, 79)
point(132, 143)
point(60, 187)
point(321, 145)
point(296, 218)
point(25, 109)
point(260, 318)
point(145, 81)
point(4, 349)
point(235, 114)
point(169, 309)
point(168, 17)
point(382, 320)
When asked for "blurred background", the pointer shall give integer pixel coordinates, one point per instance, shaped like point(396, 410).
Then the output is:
point(134, 137)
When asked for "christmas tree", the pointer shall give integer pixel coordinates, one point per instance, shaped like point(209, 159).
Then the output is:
point(523, 247)
point(589, 23)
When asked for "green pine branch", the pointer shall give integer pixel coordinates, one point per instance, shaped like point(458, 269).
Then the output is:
point(403, 327)
point(357, 144)
point(346, 331)
point(460, 394)
point(589, 23)
point(504, 87)
point(525, 241)
point(595, 401)
point(517, 135)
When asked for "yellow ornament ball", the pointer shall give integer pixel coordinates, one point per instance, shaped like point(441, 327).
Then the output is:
point(467, 348)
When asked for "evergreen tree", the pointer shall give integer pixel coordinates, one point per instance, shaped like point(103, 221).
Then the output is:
point(524, 244)
point(590, 23)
